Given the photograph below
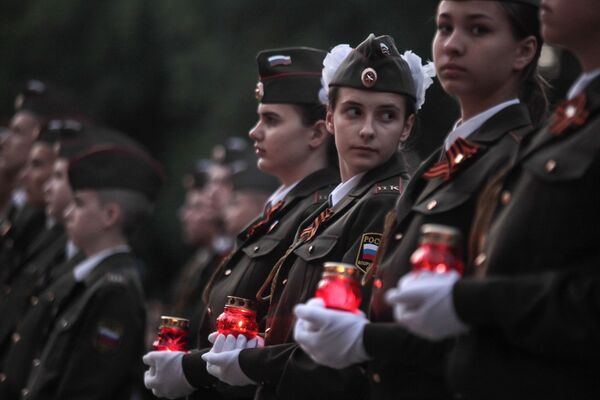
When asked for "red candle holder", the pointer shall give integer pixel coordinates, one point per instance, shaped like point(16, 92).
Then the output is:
point(439, 250)
point(339, 287)
point(238, 318)
point(173, 334)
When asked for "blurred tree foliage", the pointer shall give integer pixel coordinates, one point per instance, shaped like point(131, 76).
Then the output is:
point(180, 75)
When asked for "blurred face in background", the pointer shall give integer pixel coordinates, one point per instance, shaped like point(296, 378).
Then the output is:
point(219, 186)
point(57, 191)
point(15, 147)
point(38, 169)
point(244, 207)
point(199, 218)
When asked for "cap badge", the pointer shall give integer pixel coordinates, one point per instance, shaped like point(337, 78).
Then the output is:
point(384, 49)
point(279, 60)
point(368, 77)
point(259, 92)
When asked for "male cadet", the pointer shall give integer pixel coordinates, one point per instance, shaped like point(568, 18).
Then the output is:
point(58, 141)
point(90, 323)
point(201, 227)
point(20, 223)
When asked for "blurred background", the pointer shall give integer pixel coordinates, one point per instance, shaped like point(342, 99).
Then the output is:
point(179, 76)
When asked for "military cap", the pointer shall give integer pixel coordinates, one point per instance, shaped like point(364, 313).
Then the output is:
point(289, 75)
point(198, 175)
point(376, 65)
point(534, 3)
point(232, 154)
point(250, 178)
point(45, 102)
point(111, 166)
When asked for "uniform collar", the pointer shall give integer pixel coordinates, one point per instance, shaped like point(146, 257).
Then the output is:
point(582, 83)
point(392, 167)
point(280, 194)
point(466, 128)
point(85, 268)
point(343, 189)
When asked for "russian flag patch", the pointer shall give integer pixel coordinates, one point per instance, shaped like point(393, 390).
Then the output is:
point(279, 60)
point(369, 244)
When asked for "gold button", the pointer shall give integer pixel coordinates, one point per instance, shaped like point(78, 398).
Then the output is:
point(376, 377)
point(311, 248)
point(36, 362)
point(50, 296)
point(399, 236)
point(25, 392)
point(64, 323)
point(2, 376)
point(480, 259)
point(227, 272)
point(550, 165)
point(256, 248)
point(284, 282)
point(34, 301)
point(267, 330)
point(15, 337)
point(431, 205)
point(505, 197)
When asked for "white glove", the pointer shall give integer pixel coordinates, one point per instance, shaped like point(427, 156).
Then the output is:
point(330, 337)
point(256, 341)
point(423, 304)
point(165, 376)
point(222, 361)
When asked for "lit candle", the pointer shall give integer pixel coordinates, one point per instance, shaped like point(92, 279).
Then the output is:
point(238, 318)
point(339, 287)
point(438, 251)
point(173, 334)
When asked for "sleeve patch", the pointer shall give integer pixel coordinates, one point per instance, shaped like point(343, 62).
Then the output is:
point(367, 250)
point(108, 336)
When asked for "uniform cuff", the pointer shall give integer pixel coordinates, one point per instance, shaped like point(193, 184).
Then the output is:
point(194, 369)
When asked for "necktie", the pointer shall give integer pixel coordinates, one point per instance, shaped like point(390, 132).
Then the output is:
point(310, 231)
point(460, 151)
point(265, 219)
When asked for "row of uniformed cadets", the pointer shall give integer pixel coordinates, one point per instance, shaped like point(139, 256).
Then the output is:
point(521, 323)
point(519, 186)
point(66, 263)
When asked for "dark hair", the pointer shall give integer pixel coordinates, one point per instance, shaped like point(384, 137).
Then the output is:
point(524, 21)
point(311, 113)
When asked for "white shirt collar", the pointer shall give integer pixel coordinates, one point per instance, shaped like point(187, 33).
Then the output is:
point(70, 249)
point(222, 244)
point(85, 268)
point(50, 222)
point(466, 128)
point(582, 82)
point(343, 189)
point(19, 197)
point(280, 194)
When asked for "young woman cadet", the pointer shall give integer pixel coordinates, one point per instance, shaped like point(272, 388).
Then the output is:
point(292, 144)
point(485, 54)
point(529, 317)
point(374, 93)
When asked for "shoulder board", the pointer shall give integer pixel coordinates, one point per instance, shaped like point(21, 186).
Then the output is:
point(395, 184)
point(321, 196)
point(115, 278)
